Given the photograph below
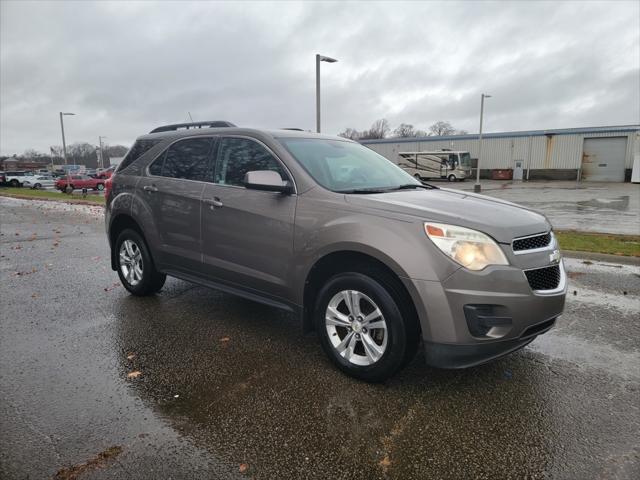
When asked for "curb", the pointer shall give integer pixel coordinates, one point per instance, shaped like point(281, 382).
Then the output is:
point(44, 199)
point(602, 257)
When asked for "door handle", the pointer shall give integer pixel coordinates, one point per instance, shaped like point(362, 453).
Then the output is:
point(150, 188)
point(214, 203)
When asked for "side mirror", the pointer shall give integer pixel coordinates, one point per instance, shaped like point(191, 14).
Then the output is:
point(267, 180)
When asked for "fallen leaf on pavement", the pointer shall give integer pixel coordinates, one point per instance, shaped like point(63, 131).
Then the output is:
point(131, 356)
point(385, 463)
point(225, 339)
point(134, 374)
point(243, 467)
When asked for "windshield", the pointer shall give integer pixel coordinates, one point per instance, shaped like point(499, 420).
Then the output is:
point(344, 166)
point(465, 159)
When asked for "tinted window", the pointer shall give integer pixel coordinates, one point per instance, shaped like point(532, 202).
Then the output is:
point(156, 167)
point(238, 156)
point(139, 148)
point(185, 159)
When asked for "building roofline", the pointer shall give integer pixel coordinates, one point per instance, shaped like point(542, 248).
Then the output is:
point(524, 133)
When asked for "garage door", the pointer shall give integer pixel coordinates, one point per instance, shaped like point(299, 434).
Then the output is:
point(603, 159)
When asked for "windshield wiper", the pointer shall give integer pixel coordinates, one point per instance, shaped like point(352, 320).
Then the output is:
point(363, 190)
point(409, 186)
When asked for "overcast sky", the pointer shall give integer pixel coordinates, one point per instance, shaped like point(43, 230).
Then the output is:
point(125, 68)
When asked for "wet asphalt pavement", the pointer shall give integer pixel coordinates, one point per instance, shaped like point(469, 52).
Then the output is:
point(231, 389)
point(586, 206)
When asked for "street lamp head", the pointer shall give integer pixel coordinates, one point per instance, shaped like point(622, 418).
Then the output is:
point(67, 113)
point(327, 59)
point(486, 96)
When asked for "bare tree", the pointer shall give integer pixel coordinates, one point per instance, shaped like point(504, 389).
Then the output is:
point(380, 128)
point(405, 130)
point(441, 128)
point(350, 133)
point(83, 153)
point(116, 150)
point(32, 154)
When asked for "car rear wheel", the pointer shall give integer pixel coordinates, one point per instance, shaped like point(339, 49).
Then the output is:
point(37, 186)
point(135, 266)
point(14, 183)
point(451, 178)
point(361, 327)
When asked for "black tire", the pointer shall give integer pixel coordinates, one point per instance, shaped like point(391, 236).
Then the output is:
point(152, 281)
point(417, 177)
point(69, 189)
point(402, 330)
point(451, 178)
point(37, 186)
point(14, 183)
point(100, 187)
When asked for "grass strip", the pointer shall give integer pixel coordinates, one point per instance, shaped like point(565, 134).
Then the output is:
point(626, 245)
point(28, 193)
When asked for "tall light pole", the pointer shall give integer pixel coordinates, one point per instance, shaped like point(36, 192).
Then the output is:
point(101, 150)
point(477, 188)
point(320, 58)
point(64, 143)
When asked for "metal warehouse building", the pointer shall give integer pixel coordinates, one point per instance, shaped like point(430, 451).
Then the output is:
point(603, 154)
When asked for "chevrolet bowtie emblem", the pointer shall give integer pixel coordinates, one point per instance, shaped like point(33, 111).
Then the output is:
point(555, 256)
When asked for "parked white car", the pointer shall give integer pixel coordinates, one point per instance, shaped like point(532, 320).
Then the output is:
point(39, 181)
point(15, 178)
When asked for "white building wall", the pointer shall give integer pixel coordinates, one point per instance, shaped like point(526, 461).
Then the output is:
point(537, 152)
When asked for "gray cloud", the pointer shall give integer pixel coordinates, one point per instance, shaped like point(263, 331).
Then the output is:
point(124, 68)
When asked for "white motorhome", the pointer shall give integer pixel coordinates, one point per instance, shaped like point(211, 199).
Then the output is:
point(449, 164)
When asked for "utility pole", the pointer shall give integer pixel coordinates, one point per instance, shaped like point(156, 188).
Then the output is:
point(320, 58)
point(101, 151)
point(64, 143)
point(477, 188)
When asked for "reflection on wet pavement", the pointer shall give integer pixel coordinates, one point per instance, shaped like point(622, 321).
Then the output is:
point(589, 206)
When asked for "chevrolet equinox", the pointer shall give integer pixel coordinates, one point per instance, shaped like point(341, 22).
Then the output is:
point(365, 255)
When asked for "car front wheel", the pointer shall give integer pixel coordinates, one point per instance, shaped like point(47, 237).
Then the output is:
point(361, 327)
point(135, 266)
point(451, 178)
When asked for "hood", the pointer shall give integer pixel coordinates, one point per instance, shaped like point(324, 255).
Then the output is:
point(499, 219)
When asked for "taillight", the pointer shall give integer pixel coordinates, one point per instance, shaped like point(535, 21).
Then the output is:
point(107, 188)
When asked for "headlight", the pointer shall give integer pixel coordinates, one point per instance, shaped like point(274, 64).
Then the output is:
point(471, 249)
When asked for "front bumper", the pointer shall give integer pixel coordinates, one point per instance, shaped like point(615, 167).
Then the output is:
point(500, 298)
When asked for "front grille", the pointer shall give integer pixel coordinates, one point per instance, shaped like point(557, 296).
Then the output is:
point(546, 278)
point(529, 243)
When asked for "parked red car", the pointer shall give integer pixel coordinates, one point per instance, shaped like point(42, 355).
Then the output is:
point(104, 175)
point(79, 182)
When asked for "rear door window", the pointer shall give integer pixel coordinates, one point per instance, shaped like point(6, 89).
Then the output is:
point(188, 159)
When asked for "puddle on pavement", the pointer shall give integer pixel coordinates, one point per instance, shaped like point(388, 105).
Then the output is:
point(618, 203)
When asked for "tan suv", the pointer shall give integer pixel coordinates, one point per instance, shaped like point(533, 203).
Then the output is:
point(363, 253)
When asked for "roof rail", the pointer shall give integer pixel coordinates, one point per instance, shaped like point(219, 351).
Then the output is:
point(208, 124)
point(292, 128)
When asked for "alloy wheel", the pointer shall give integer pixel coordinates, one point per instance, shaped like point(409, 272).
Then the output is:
point(356, 327)
point(131, 264)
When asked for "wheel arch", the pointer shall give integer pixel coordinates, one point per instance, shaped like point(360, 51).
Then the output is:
point(349, 260)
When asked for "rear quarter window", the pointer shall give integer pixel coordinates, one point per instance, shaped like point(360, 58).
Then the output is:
point(139, 148)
